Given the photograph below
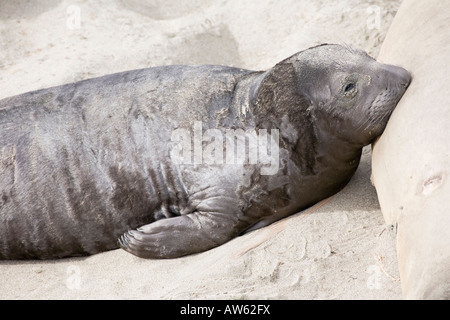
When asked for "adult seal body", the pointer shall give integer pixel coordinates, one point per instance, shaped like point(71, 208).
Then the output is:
point(411, 161)
point(83, 163)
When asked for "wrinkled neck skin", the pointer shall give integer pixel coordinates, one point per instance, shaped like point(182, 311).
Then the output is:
point(338, 152)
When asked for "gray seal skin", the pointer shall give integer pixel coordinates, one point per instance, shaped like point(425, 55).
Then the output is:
point(88, 166)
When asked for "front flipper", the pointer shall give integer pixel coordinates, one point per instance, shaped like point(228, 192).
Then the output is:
point(182, 235)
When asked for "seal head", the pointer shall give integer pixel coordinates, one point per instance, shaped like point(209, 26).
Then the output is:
point(351, 90)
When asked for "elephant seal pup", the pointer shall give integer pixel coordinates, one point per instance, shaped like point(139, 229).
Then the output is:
point(163, 150)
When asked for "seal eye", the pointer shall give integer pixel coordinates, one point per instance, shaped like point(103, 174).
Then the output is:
point(349, 87)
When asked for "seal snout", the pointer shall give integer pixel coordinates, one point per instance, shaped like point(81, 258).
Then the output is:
point(401, 75)
point(405, 84)
point(405, 79)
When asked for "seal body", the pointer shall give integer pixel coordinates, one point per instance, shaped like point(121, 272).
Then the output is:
point(411, 160)
point(85, 164)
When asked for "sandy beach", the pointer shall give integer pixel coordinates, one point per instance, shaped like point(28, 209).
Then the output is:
point(339, 249)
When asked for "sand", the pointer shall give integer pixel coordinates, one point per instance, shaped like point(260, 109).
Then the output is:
point(339, 249)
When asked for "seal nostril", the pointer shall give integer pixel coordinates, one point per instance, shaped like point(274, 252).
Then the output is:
point(406, 80)
point(405, 84)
